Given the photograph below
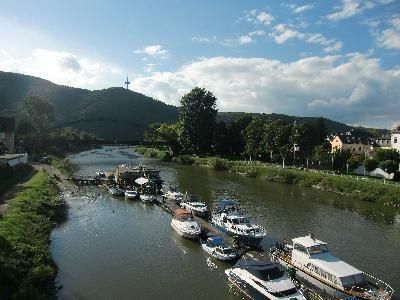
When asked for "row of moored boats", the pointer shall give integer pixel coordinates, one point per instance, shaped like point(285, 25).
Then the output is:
point(308, 258)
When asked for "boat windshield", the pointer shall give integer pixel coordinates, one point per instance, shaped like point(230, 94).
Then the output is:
point(240, 221)
point(229, 251)
point(267, 273)
point(317, 249)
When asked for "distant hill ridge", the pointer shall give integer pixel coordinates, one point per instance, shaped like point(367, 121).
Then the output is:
point(114, 103)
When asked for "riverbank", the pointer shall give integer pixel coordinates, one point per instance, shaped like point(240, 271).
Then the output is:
point(27, 270)
point(344, 185)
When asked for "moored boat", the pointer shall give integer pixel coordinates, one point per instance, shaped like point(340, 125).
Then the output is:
point(146, 198)
point(174, 196)
point(115, 191)
point(262, 280)
point(131, 194)
point(185, 225)
point(198, 208)
point(216, 247)
point(315, 264)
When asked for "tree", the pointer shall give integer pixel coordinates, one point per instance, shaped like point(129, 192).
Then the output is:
point(321, 154)
point(371, 164)
point(3, 149)
point(38, 111)
point(253, 136)
point(387, 154)
point(197, 119)
point(389, 166)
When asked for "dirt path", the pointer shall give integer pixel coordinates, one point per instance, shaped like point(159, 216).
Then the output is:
point(63, 184)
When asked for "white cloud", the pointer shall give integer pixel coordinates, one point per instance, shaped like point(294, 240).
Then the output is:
point(348, 9)
point(351, 89)
point(301, 9)
point(259, 17)
point(62, 68)
point(390, 37)
point(284, 32)
point(204, 40)
point(153, 50)
point(334, 47)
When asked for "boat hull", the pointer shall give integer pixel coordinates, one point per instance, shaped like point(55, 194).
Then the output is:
point(188, 235)
point(247, 240)
point(217, 255)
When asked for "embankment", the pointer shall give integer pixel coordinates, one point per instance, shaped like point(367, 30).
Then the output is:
point(388, 194)
point(27, 270)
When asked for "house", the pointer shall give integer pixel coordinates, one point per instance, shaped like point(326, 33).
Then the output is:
point(13, 160)
point(383, 142)
point(7, 131)
point(395, 137)
point(355, 144)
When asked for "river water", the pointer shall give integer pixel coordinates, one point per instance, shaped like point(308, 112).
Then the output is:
point(112, 248)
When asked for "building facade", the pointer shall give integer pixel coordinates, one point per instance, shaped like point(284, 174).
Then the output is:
point(356, 145)
point(7, 133)
point(395, 138)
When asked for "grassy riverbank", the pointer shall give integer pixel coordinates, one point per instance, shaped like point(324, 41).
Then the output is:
point(27, 270)
point(63, 165)
point(9, 177)
point(360, 189)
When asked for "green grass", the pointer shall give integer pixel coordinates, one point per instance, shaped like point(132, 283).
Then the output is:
point(345, 185)
point(9, 178)
point(27, 270)
point(63, 165)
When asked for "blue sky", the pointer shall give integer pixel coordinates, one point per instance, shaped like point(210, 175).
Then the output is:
point(338, 59)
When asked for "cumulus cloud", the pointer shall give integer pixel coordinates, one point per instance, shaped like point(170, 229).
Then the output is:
point(259, 17)
point(348, 9)
point(153, 50)
point(352, 89)
point(62, 68)
point(390, 37)
point(284, 32)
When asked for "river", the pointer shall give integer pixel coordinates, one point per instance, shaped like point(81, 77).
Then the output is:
point(112, 248)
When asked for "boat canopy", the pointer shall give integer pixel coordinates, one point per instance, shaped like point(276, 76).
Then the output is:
point(216, 240)
point(308, 241)
point(183, 214)
point(141, 180)
point(262, 270)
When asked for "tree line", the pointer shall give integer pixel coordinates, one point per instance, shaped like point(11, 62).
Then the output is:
point(198, 132)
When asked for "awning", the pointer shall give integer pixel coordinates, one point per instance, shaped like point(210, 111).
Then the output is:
point(141, 180)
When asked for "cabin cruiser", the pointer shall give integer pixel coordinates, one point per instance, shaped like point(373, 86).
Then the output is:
point(228, 217)
point(146, 198)
point(216, 247)
point(131, 194)
point(115, 191)
point(198, 208)
point(185, 225)
point(315, 264)
point(262, 280)
point(174, 196)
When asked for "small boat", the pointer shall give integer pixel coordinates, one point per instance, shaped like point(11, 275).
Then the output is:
point(262, 280)
point(174, 196)
point(131, 194)
point(146, 198)
point(185, 225)
point(198, 208)
point(216, 247)
point(314, 263)
point(115, 191)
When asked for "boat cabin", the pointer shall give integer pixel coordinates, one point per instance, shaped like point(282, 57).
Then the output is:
point(226, 205)
point(314, 256)
point(183, 215)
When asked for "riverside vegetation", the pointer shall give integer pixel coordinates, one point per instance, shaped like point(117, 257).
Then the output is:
point(359, 189)
point(27, 270)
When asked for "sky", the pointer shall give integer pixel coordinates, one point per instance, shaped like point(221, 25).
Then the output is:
point(338, 59)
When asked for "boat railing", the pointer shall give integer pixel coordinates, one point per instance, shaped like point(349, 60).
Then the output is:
point(383, 290)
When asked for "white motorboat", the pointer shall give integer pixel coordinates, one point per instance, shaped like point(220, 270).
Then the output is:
point(198, 208)
point(315, 264)
point(216, 247)
point(262, 280)
point(238, 225)
point(115, 191)
point(131, 194)
point(185, 225)
point(174, 196)
point(146, 198)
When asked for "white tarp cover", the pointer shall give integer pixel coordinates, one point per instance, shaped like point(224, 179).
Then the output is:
point(141, 180)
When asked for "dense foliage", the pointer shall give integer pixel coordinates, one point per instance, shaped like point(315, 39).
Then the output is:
point(27, 270)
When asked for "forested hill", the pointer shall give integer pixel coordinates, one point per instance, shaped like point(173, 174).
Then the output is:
point(116, 104)
point(73, 104)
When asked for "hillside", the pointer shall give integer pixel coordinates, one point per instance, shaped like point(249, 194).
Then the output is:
point(131, 112)
point(73, 104)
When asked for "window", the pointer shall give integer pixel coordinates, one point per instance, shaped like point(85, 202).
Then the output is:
point(359, 148)
point(354, 149)
point(300, 248)
point(395, 140)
